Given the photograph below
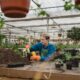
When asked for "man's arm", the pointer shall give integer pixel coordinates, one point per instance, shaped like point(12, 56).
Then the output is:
point(35, 47)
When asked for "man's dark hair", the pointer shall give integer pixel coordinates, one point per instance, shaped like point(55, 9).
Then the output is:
point(47, 37)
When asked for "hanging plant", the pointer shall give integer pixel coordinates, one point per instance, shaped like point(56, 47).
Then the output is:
point(42, 13)
point(68, 5)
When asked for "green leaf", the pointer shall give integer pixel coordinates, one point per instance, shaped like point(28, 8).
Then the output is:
point(1, 23)
point(68, 5)
point(74, 34)
point(42, 13)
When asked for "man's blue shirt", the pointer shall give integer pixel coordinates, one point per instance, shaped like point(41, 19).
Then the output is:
point(45, 51)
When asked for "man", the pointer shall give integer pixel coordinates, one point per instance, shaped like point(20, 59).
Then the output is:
point(46, 50)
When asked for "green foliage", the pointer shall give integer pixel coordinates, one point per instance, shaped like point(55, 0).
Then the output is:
point(74, 34)
point(1, 21)
point(21, 38)
point(42, 13)
point(1, 25)
point(1, 38)
point(24, 39)
point(68, 5)
point(68, 56)
point(15, 48)
point(72, 46)
point(62, 46)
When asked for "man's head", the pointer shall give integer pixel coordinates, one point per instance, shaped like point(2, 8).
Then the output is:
point(45, 39)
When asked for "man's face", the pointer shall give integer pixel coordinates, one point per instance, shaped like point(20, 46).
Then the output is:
point(44, 41)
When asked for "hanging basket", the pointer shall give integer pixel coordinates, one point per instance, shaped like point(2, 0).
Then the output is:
point(15, 8)
point(77, 4)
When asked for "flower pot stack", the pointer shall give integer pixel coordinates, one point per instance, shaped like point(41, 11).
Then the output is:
point(15, 8)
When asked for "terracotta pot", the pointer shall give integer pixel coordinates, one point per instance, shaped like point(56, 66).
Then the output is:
point(15, 8)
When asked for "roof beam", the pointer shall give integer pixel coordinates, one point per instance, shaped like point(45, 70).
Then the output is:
point(43, 18)
point(45, 25)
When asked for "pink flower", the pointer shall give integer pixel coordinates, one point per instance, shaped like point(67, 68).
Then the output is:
point(27, 46)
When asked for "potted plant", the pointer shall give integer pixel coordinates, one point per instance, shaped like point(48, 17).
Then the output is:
point(59, 64)
point(15, 8)
point(68, 61)
point(69, 65)
point(75, 62)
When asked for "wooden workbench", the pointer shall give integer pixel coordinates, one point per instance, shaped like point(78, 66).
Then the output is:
point(45, 71)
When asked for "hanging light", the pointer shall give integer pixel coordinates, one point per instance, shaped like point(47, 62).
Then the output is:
point(15, 8)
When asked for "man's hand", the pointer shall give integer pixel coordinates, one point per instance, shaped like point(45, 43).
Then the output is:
point(35, 57)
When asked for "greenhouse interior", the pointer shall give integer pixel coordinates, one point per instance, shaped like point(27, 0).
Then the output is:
point(39, 39)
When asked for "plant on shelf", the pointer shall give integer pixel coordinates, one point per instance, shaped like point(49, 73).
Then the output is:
point(74, 34)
